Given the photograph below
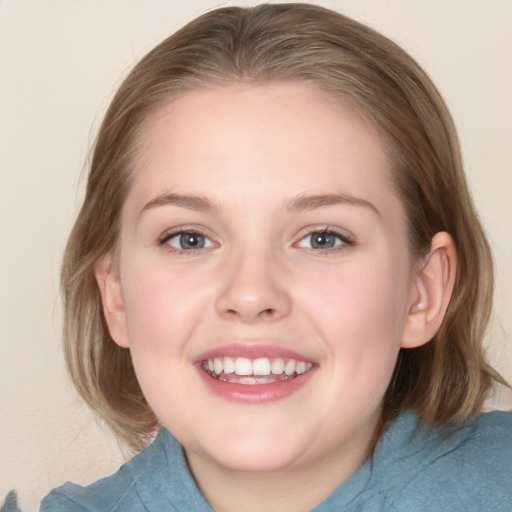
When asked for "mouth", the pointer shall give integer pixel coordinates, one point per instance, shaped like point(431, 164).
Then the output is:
point(252, 372)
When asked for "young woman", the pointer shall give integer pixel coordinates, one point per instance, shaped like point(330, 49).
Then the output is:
point(279, 272)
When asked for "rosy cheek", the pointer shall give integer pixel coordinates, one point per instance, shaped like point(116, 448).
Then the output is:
point(356, 306)
point(149, 307)
point(161, 306)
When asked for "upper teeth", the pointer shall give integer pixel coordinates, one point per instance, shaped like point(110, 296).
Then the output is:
point(260, 366)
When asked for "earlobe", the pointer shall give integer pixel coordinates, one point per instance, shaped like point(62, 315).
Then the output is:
point(433, 286)
point(112, 298)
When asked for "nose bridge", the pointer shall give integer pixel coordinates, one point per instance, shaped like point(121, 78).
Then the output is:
point(253, 286)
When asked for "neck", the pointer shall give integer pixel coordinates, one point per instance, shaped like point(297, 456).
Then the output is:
point(292, 489)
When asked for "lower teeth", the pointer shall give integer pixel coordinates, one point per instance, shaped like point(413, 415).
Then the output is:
point(251, 380)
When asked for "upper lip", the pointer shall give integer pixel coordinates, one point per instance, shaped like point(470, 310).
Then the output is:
point(252, 351)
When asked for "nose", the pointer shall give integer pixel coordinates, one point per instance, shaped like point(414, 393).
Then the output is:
point(253, 290)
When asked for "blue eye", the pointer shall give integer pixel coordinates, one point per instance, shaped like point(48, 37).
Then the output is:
point(187, 241)
point(323, 240)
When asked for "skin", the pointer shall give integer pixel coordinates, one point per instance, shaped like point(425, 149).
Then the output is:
point(251, 152)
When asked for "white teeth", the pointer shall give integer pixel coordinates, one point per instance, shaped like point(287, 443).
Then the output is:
point(300, 368)
point(308, 367)
point(289, 369)
point(229, 365)
point(243, 366)
point(248, 381)
point(260, 367)
point(277, 366)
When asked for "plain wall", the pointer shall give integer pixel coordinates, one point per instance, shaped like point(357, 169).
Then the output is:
point(60, 62)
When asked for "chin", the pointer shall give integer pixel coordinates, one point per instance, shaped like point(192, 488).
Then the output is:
point(255, 453)
point(254, 461)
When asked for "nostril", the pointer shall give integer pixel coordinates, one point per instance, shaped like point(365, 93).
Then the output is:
point(265, 314)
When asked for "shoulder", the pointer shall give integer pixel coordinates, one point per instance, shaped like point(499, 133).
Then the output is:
point(112, 493)
point(155, 479)
point(461, 468)
point(115, 493)
point(479, 453)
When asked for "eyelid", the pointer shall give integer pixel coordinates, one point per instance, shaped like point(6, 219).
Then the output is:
point(346, 238)
point(170, 233)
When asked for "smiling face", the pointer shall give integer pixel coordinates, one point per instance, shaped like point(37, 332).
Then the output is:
point(264, 277)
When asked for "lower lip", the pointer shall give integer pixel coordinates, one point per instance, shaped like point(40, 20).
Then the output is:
point(257, 393)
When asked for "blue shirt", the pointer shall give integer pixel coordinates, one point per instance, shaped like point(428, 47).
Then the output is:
point(467, 468)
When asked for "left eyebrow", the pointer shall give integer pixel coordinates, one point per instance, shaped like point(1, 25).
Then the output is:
point(312, 202)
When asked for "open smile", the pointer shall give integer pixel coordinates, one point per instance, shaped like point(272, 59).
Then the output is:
point(244, 375)
point(263, 370)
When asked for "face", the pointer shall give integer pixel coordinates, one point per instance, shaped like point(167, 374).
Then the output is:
point(264, 277)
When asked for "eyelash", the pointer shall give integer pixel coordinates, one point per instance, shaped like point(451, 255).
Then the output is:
point(345, 240)
point(166, 237)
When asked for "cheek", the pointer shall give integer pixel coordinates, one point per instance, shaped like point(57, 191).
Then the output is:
point(360, 311)
point(162, 311)
point(361, 323)
point(162, 307)
point(360, 293)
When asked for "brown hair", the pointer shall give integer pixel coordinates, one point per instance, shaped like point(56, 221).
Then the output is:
point(445, 380)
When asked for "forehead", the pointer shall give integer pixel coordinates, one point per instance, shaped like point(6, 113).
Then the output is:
point(290, 133)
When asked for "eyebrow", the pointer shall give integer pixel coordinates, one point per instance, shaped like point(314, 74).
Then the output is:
point(312, 202)
point(197, 203)
point(295, 204)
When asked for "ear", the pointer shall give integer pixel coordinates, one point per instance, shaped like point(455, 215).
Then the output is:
point(112, 298)
point(432, 289)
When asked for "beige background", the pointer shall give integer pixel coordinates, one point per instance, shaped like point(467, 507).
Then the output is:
point(60, 61)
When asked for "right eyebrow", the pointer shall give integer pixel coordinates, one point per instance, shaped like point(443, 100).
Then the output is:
point(191, 202)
